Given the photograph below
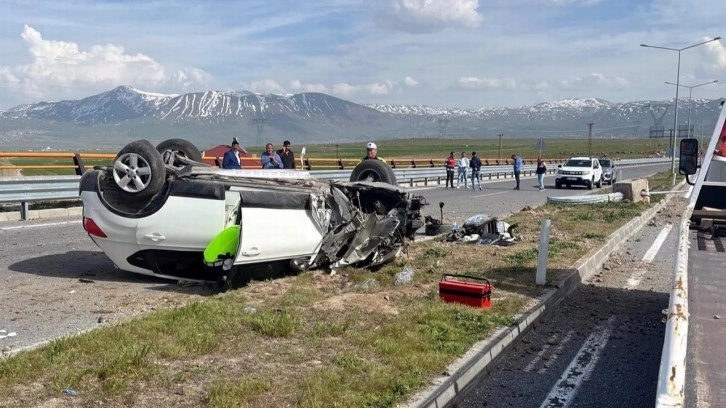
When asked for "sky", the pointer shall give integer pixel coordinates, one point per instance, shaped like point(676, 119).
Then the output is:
point(444, 53)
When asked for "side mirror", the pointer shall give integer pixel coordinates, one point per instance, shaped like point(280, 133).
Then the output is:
point(559, 166)
point(689, 157)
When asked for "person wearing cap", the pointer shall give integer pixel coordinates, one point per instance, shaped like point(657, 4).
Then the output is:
point(371, 153)
point(270, 159)
point(231, 157)
point(287, 156)
point(450, 165)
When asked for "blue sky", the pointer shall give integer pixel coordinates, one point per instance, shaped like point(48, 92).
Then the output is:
point(449, 53)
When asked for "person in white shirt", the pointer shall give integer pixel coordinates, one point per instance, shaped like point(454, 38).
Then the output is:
point(463, 165)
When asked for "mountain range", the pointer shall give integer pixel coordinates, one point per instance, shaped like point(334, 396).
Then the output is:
point(113, 118)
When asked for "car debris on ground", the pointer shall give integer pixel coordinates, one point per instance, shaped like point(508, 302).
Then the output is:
point(480, 229)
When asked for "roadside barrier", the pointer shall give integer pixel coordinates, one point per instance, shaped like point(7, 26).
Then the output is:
point(25, 190)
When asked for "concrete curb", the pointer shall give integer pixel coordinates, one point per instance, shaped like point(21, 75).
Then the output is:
point(42, 214)
point(485, 352)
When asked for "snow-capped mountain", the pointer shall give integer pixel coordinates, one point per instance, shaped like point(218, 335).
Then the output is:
point(213, 117)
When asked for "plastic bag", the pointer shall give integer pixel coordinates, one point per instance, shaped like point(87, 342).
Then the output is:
point(404, 277)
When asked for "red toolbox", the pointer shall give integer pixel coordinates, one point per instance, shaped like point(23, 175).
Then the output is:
point(453, 288)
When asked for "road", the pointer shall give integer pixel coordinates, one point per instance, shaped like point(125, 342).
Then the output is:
point(55, 282)
point(602, 346)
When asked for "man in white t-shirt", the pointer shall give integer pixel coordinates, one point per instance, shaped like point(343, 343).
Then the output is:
point(463, 165)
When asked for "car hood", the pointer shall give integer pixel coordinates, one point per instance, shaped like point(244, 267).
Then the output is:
point(575, 168)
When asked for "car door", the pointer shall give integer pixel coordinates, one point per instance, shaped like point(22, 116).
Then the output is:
point(276, 226)
point(182, 224)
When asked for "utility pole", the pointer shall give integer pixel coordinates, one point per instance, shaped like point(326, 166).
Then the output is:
point(499, 155)
point(589, 141)
point(260, 122)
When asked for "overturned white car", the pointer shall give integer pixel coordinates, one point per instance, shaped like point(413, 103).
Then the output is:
point(159, 211)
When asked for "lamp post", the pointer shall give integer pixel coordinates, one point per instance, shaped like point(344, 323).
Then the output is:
point(690, 93)
point(678, 81)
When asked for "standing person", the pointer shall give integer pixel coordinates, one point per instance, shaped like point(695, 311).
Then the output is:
point(462, 165)
point(541, 170)
point(270, 159)
point(517, 168)
point(450, 165)
point(287, 156)
point(231, 157)
point(475, 164)
point(371, 153)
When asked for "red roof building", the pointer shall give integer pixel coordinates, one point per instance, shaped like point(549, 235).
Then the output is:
point(215, 155)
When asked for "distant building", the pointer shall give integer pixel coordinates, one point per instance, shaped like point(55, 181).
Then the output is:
point(215, 154)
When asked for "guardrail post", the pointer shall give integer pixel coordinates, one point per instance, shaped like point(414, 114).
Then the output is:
point(307, 164)
point(340, 165)
point(544, 244)
point(217, 163)
point(413, 164)
point(393, 164)
point(78, 161)
point(432, 164)
point(24, 211)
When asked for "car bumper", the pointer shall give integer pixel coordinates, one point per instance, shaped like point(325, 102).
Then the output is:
point(574, 180)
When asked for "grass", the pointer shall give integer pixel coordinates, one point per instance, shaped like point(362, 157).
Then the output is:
point(313, 340)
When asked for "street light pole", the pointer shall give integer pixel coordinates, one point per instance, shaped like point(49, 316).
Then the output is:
point(678, 79)
point(690, 93)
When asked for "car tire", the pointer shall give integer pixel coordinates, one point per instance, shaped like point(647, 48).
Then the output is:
point(558, 185)
point(181, 147)
point(568, 185)
point(139, 171)
point(373, 170)
point(589, 184)
point(599, 183)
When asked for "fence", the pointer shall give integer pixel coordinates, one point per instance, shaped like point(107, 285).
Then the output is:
point(76, 162)
point(24, 190)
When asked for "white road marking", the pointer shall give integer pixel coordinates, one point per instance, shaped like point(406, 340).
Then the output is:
point(580, 368)
point(50, 224)
point(491, 194)
point(653, 250)
point(649, 256)
point(546, 350)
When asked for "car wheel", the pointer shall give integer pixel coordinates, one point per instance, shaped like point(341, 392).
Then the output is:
point(589, 184)
point(599, 183)
point(180, 147)
point(138, 170)
point(568, 185)
point(373, 170)
point(558, 185)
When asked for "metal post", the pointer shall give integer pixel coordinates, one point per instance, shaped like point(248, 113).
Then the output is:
point(675, 122)
point(544, 245)
point(499, 155)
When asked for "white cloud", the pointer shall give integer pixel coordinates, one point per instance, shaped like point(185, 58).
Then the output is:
point(485, 83)
point(541, 86)
point(594, 79)
point(299, 86)
point(267, 86)
point(410, 82)
point(422, 16)
point(717, 53)
point(61, 68)
point(377, 88)
point(575, 2)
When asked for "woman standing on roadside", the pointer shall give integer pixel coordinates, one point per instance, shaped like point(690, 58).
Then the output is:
point(450, 166)
point(541, 170)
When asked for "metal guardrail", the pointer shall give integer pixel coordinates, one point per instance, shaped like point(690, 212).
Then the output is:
point(24, 190)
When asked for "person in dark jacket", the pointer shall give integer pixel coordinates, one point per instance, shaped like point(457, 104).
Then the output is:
point(231, 157)
point(475, 164)
point(450, 165)
point(541, 170)
point(287, 156)
point(517, 168)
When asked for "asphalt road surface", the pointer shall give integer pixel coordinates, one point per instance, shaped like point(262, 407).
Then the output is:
point(54, 281)
point(601, 346)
